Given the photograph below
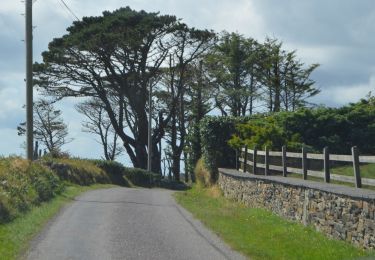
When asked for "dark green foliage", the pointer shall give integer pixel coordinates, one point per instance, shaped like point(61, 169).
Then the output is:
point(114, 57)
point(125, 176)
point(337, 128)
point(140, 177)
point(23, 185)
point(264, 132)
point(215, 132)
point(114, 170)
point(284, 78)
point(45, 183)
point(231, 64)
point(245, 73)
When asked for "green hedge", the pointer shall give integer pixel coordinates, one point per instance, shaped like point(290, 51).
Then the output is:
point(140, 177)
point(215, 132)
point(115, 171)
point(77, 171)
point(23, 185)
point(125, 176)
point(337, 128)
point(87, 172)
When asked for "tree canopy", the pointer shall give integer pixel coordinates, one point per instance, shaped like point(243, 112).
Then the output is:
point(116, 58)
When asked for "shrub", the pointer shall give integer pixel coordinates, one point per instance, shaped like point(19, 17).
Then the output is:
point(24, 184)
point(259, 133)
point(115, 172)
point(45, 182)
point(337, 128)
point(87, 172)
point(203, 176)
point(140, 177)
point(7, 212)
point(78, 171)
point(215, 133)
point(124, 176)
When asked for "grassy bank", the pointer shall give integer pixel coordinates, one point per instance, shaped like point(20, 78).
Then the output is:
point(367, 170)
point(15, 236)
point(32, 192)
point(259, 234)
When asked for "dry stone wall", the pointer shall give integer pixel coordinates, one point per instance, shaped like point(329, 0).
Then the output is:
point(340, 212)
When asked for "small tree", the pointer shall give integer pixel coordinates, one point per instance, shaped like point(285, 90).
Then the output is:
point(99, 124)
point(49, 127)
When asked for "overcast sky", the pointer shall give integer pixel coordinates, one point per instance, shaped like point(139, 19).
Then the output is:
point(338, 34)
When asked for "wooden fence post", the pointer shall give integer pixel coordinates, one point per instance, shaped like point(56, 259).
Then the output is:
point(356, 169)
point(255, 161)
point(266, 161)
point(236, 151)
point(326, 165)
point(245, 160)
point(304, 163)
point(284, 160)
point(35, 153)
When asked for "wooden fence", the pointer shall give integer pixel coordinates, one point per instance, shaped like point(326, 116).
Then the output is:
point(251, 158)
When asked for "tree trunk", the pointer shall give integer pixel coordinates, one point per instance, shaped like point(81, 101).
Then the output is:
point(186, 172)
point(277, 100)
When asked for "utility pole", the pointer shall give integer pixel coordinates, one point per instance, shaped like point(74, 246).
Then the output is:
point(149, 157)
point(29, 78)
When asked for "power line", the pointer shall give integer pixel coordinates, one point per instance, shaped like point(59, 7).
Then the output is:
point(68, 15)
point(70, 10)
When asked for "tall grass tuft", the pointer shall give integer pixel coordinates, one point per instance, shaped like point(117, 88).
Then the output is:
point(203, 176)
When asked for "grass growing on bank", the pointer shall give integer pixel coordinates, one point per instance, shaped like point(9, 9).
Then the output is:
point(15, 236)
point(31, 193)
point(367, 170)
point(259, 234)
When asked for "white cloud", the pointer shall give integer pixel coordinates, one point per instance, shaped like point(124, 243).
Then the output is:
point(341, 95)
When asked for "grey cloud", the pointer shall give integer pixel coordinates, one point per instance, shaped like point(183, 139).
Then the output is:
point(346, 27)
point(12, 47)
point(335, 22)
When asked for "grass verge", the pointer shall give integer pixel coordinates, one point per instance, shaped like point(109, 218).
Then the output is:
point(367, 170)
point(259, 234)
point(16, 235)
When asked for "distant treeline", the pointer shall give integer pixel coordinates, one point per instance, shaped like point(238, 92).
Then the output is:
point(338, 128)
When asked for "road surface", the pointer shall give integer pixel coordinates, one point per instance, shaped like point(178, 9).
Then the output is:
point(126, 223)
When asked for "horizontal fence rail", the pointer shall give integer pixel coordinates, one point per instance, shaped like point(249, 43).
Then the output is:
point(249, 160)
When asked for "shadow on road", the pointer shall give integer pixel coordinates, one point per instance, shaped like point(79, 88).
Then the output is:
point(172, 185)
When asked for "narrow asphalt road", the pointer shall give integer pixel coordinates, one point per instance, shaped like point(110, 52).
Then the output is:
point(124, 223)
